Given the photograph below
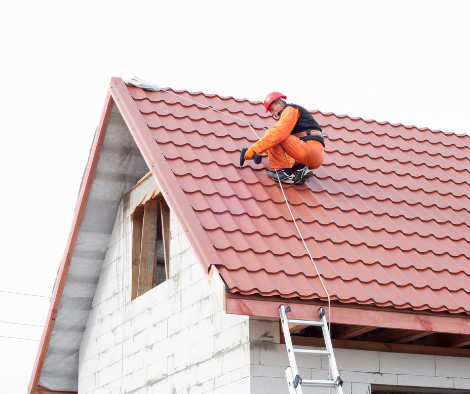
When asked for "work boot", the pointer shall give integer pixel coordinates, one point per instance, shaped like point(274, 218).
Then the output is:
point(302, 173)
point(285, 175)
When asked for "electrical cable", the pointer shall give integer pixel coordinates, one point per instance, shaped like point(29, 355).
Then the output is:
point(24, 294)
point(24, 339)
point(20, 324)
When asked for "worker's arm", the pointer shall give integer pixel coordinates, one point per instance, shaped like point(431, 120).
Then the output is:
point(279, 132)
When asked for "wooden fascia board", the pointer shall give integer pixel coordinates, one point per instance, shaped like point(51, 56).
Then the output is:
point(85, 190)
point(164, 177)
point(349, 315)
point(380, 347)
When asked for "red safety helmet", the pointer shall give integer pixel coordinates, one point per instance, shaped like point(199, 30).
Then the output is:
point(271, 97)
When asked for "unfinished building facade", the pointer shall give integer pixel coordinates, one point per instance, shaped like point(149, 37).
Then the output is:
point(178, 260)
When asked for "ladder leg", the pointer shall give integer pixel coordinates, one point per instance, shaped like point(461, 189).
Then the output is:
point(294, 373)
point(329, 348)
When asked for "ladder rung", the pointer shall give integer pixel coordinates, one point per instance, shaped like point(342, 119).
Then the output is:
point(305, 322)
point(311, 351)
point(319, 383)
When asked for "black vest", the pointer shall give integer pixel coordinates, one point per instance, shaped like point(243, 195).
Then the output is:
point(305, 121)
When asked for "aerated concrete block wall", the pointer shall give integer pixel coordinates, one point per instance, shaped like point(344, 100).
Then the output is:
point(361, 371)
point(173, 339)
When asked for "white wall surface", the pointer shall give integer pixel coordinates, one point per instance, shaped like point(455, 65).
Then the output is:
point(173, 339)
point(360, 370)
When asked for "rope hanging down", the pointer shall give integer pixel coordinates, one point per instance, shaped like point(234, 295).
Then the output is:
point(141, 83)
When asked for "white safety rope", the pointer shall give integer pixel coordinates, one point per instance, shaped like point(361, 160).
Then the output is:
point(251, 124)
point(303, 241)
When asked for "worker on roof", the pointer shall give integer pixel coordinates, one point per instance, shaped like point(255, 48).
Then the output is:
point(295, 136)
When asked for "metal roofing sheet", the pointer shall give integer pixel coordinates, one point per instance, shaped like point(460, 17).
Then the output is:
point(386, 216)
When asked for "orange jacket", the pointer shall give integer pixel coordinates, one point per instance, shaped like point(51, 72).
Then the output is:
point(279, 132)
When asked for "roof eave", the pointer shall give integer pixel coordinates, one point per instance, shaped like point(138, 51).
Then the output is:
point(351, 314)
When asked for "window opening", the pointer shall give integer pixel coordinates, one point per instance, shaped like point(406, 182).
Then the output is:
point(150, 246)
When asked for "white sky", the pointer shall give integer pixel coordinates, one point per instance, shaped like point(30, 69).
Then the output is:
point(400, 61)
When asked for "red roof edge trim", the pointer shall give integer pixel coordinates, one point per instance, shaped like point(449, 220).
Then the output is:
point(163, 175)
point(85, 190)
point(444, 323)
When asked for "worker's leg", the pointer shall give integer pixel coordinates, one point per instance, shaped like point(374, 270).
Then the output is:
point(277, 158)
point(311, 153)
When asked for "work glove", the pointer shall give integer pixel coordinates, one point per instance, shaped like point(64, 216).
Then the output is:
point(250, 153)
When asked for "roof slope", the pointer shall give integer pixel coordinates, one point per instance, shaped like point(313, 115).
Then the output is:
point(386, 216)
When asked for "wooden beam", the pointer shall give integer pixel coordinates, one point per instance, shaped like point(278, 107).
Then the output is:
point(296, 327)
point(359, 316)
point(380, 347)
point(43, 390)
point(398, 336)
point(344, 331)
point(136, 245)
point(448, 340)
point(165, 210)
point(147, 253)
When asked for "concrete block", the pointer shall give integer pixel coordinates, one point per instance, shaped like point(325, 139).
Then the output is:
point(264, 330)
point(268, 353)
point(141, 321)
point(222, 380)
point(87, 384)
point(398, 363)
point(202, 309)
point(93, 316)
point(240, 373)
point(181, 360)
point(202, 351)
point(87, 367)
point(277, 371)
point(157, 333)
point(233, 358)
point(269, 385)
point(232, 320)
point(197, 272)
point(371, 378)
point(228, 339)
point(202, 372)
point(425, 381)
point(203, 289)
point(181, 340)
point(462, 383)
point(188, 259)
point(457, 367)
point(174, 323)
point(360, 388)
point(189, 296)
point(109, 374)
point(138, 379)
point(354, 360)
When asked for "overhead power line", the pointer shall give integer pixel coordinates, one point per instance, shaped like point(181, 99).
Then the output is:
point(21, 324)
point(24, 294)
point(24, 339)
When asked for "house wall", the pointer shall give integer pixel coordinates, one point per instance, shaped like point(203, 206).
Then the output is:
point(361, 371)
point(173, 339)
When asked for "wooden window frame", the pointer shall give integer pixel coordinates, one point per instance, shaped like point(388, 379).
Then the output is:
point(145, 233)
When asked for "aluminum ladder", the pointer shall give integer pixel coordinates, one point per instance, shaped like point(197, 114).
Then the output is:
point(294, 381)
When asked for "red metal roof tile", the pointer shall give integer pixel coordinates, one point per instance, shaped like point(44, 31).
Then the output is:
point(385, 218)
